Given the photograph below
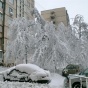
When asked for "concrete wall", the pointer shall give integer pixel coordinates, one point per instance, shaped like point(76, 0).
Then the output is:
point(24, 7)
point(59, 14)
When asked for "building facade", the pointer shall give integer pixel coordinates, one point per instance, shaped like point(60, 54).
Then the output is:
point(56, 15)
point(10, 9)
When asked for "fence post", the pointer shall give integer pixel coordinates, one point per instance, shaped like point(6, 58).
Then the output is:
point(81, 82)
point(70, 83)
point(86, 82)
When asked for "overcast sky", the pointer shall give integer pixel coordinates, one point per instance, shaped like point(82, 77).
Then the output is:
point(73, 7)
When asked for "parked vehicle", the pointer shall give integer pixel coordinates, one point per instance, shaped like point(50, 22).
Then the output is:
point(27, 73)
point(71, 69)
point(75, 79)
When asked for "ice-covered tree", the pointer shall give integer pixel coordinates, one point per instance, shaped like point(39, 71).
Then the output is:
point(21, 38)
point(79, 25)
point(40, 43)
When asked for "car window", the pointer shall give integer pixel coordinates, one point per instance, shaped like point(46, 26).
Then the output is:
point(76, 67)
point(85, 72)
point(16, 73)
point(70, 67)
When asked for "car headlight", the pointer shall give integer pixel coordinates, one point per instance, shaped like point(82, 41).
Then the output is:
point(65, 70)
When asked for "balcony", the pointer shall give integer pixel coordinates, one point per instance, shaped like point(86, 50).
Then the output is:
point(52, 12)
point(1, 18)
point(52, 17)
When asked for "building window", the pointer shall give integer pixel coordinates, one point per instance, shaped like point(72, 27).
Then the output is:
point(11, 1)
point(10, 20)
point(1, 16)
point(20, 9)
point(0, 41)
point(20, 15)
point(52, 12)
point(28, 3)
point(23, 9)
point(52, 17)
point(1, 5)
point(0, 28)
point(10, 11)
point(1, 55)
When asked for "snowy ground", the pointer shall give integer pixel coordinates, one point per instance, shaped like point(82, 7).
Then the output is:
point(3, 68)
point(56, 82)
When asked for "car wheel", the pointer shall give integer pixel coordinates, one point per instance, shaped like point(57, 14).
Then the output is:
point(76, 85)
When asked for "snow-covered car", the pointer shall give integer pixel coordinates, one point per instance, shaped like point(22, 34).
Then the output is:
point(26, 72)
point(76, 81)
point(71, 69)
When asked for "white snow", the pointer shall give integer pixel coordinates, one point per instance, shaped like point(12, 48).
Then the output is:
point(29, 68)
point(34, 72)
point(3, 68)
point(57, 81)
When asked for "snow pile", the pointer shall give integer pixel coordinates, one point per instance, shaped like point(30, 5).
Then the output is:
point(22, 85)
point(3, 68)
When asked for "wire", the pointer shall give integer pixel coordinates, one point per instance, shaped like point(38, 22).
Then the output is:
point(39, 5)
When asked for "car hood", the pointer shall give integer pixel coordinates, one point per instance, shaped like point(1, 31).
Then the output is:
point(72, 76)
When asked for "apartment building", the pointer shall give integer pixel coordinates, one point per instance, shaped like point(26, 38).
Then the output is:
point(24, 7)
point(10, 9)
point(56, 15)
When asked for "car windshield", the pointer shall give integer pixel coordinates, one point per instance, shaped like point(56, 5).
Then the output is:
point(84, 72)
